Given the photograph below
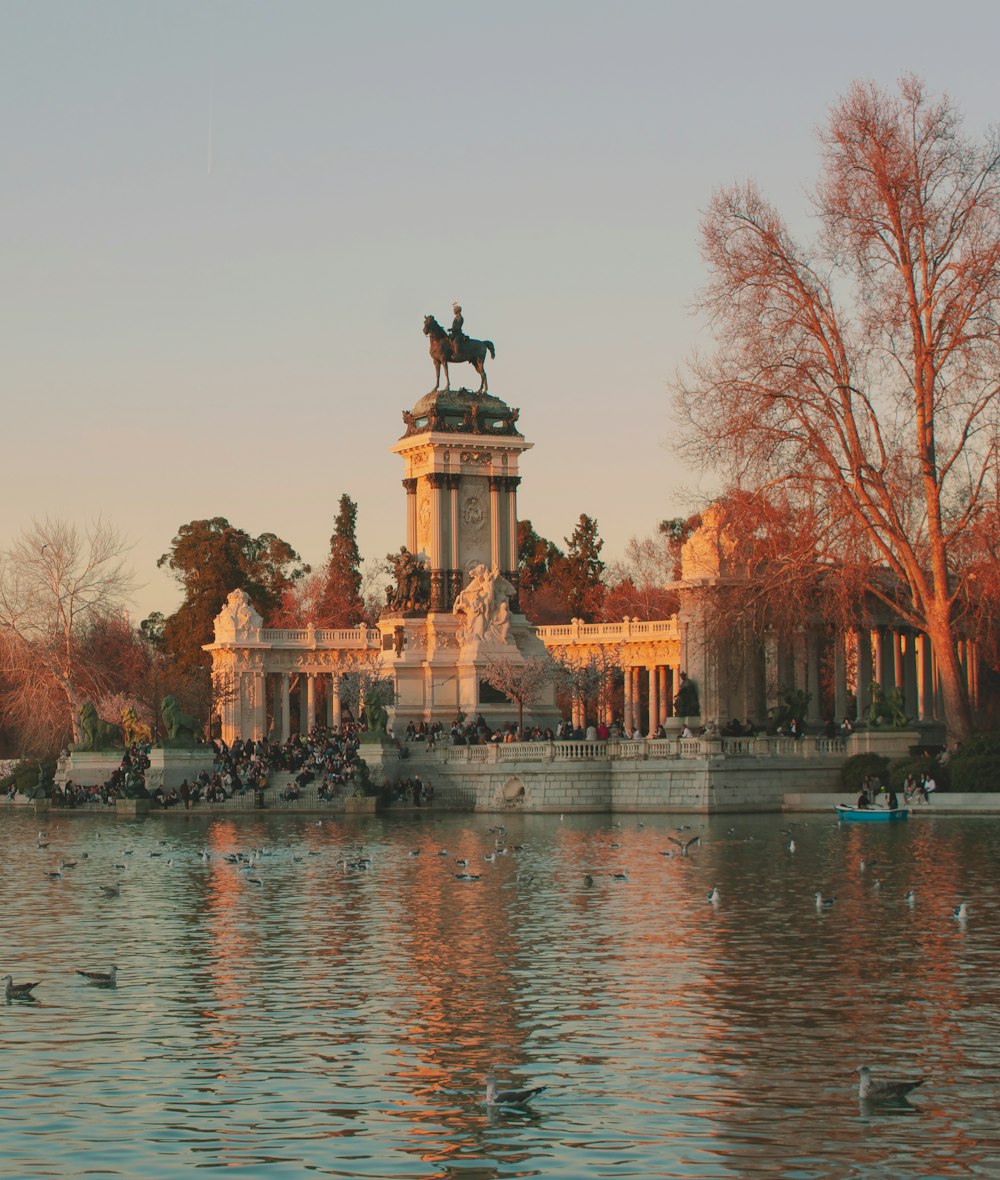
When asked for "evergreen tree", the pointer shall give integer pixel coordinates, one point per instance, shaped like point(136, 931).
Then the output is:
point(340, 603)
point(580, 573)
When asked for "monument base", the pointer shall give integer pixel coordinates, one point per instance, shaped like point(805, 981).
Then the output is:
point(132, 808)
point(88, 768)
point(168, 768)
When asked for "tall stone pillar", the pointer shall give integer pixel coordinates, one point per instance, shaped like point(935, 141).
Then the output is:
point(924, 670)
point(411, 514)
point(909, 671)
point(286, 707)
point(627, 712)
point(878, 656)
point(335, 706)
point(663, 694)
point(435, 481)
point(496, 518)
point(898, 671)
point(654, 702)
point(839, 677)
point(310, 713)
point(259, 705)
point(864, 674)
point(510, 556)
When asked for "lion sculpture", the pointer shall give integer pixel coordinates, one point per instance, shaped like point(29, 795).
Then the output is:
point(135, 730)
point(98, 734)
point(182, 730)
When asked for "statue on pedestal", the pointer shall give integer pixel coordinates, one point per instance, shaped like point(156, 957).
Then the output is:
point(455, 348)
point(98, 734)
point(686, 703)
point(413, 582)
point(182, 731)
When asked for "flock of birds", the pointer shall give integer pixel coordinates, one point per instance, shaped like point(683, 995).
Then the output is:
point(870, 1090)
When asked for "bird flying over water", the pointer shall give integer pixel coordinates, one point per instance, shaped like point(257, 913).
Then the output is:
point(495, 1097)
point(684, 845)
point(870, 1090)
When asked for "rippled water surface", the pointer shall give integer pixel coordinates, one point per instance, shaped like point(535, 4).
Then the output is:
point(340, 1021)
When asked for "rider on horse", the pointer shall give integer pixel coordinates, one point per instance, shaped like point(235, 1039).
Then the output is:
point(457, 336)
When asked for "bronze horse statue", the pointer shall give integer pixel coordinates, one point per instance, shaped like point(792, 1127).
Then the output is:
point(445, 351)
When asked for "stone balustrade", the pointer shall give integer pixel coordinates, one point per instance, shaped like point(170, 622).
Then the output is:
point(643, 750)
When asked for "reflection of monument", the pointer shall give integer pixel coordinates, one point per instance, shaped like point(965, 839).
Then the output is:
point(461, 454)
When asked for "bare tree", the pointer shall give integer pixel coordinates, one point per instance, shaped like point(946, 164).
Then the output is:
point(520, 681)
point(861, 377)
point(54, 582)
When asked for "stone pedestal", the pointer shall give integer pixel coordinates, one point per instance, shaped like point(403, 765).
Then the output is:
point(132, 808)
point(361, 805)
point(169, 767)
point(890, 743)
point(89, 768)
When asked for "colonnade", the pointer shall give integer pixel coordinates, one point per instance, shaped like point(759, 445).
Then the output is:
point(443, 527)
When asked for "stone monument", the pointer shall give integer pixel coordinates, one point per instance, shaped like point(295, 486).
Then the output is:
point(455, 604)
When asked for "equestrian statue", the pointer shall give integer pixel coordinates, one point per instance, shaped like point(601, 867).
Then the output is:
point(455, 347)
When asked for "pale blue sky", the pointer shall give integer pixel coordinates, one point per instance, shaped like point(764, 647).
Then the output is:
point(224, 222)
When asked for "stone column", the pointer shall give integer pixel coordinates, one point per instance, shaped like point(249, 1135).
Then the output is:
point(653, 710)
point(664, 694)
point(510, 556)
point(336, 711)
point(878, 657)
point(303, 703)
point(453, 521)
point(898, 672)
point(909, 671)
point(411, 514)
point(435, 482)
point(637, 697)
point(259, 705)
point(286, 707)
point(839, 677)
point(310, 701)
point(864, 675)
point(672, 682)
point(628, 705)
point(496, 519)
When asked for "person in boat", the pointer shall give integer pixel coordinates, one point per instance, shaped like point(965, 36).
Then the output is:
point(891, 801)
point(862, 799)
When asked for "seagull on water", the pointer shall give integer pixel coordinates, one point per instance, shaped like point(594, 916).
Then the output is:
point(871, 1091)
point(909, 897)
point(112, 890)
point(18, 991)
point(101, 978)
point(467, 876)
point(618, 876)
point(588, 880)
point(495, 1097)
point(715, 896)
point(791, 845)
point(824, 903)
point(960, 912)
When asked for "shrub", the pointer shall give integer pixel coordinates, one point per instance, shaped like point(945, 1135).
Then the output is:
point(24, 776)
point(859, 766)
point(976, 766)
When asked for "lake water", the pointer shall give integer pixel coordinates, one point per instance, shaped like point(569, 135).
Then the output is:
point(340, 1022)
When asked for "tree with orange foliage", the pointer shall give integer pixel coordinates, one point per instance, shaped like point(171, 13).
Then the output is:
point(860, 377)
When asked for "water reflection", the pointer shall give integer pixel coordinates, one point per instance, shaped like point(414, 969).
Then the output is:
point(342, 1020)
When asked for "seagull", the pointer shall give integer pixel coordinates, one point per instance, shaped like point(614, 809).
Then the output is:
point(490, 857)
point(495, 1097)
point(824, 903)
point(960, 912)
point(909, 897)
point(67, 864)
point(18, 991)
point(791, 845)
point(444, 852)
point(715, 896)
point(414, 852)
point(872, 1091)
point(42, 843)
point(876, 886)
point(101, 978)
point(112, 890)
point(684, 845)
point(588, 880)
point(57, 873)
point(467, 876)
point(461, 862)
point(618, 876)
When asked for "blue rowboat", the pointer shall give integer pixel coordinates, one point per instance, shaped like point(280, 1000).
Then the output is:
point(871, 815)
